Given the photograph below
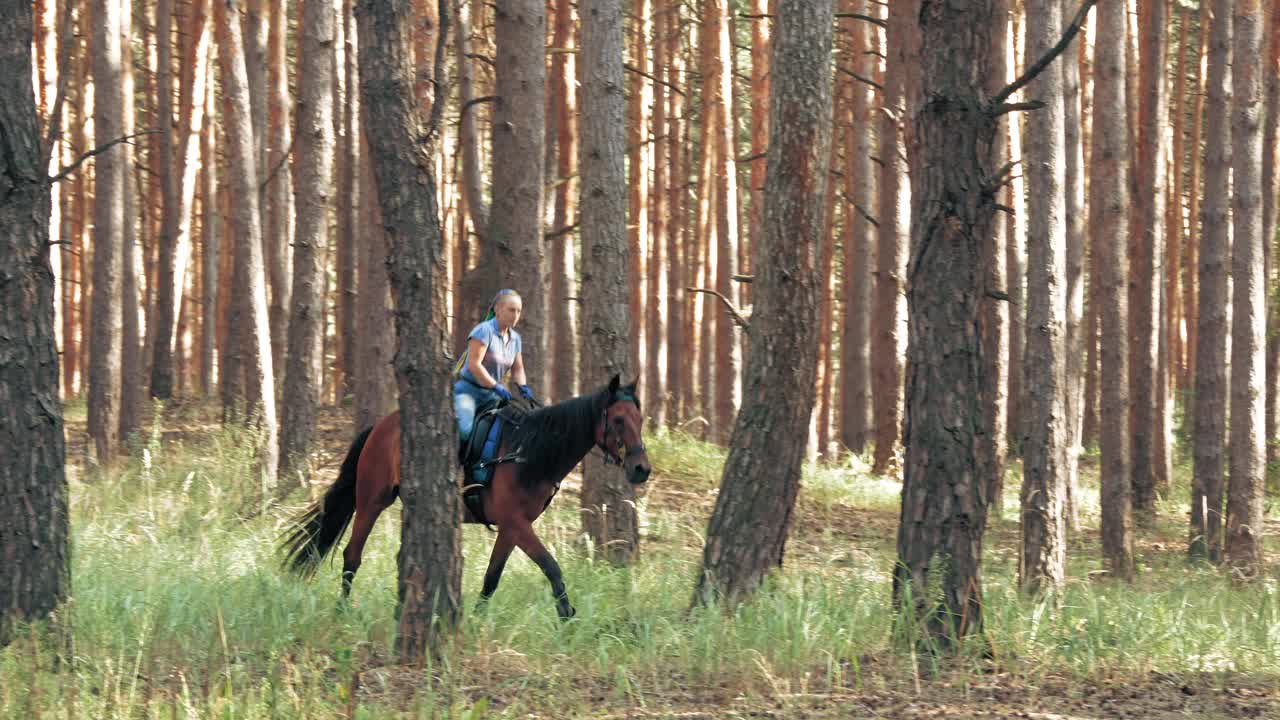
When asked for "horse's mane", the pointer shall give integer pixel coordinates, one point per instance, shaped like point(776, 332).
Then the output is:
point(549, 435)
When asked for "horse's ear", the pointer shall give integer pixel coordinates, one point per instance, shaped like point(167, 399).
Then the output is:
point(614, 384)
point(631, 389)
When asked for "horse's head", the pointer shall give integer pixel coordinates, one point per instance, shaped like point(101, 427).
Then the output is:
point(618, 433)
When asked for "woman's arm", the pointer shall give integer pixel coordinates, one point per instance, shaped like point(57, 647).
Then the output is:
point(517, 370)
point(476, 350)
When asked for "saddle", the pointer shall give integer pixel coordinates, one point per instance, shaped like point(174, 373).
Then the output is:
point(479, 454)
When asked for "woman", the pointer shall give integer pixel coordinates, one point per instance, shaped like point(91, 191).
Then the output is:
point(493, 349)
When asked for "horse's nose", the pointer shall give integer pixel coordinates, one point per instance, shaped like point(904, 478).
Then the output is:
point(640, 474)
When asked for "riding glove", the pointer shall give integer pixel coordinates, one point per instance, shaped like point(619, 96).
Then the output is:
point(526, 392)
point(501, 391)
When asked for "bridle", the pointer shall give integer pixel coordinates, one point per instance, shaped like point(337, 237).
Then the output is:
point(611, 452)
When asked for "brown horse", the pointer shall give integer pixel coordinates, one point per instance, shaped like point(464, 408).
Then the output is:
point(538, 450)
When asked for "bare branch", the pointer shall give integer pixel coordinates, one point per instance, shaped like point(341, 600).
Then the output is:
point(1016, 107)
point(738, 318)
point(476, 101)
point(631, 68)
point(1039, 65)
point(860, 78)
point(96, 151)
point(865, 18)
point(279, 164)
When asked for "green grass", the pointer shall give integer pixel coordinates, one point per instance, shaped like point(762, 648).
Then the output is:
point(180, 610)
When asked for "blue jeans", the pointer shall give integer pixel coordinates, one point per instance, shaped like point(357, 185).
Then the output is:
point(466, 399)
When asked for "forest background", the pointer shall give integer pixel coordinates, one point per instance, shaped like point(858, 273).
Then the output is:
point(229, 257)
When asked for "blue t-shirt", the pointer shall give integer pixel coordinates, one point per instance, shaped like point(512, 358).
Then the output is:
point(499, 355)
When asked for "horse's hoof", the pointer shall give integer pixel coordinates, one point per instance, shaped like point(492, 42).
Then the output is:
point(566, 611)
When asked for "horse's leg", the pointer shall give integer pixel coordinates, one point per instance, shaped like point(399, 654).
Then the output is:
point(497, 561)
point(360, 529)
point(524, 537)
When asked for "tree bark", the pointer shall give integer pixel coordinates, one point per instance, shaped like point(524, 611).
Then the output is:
point(944, 500)
point(33, 488)
point(748, 530)
point(314, 167)
point(430, 559)
point(1211, 347)
point(108, 227)
point(256, 361)
point(1108, 223)
point(608, 500)
point(1248, 307)
point(1044, 474)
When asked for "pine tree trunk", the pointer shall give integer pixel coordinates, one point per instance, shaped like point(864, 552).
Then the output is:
point(678, 357)
point(430, 559)
point(748, 530)
point(1211, 348)
point(1108, 223)
point(888, 331)
point(108, 234)
point(727, 357)
point(1016, 263)
point(563, 338)
point(33, 488)
point(375, 376)
point(515, 222)
point(855, 355)
point(1248, 307)
point(1270, 194)
point(1045, 472)
point(256, 361)
point(994, 313)
point(1150, 451)
point(348, 188)
point(210, 248)
point(1191, 288)
point(608, 500)
point(280, 217)
point(639, 96)
point(314, 167)
point(657, 309)
point(1175, 249)
point(178, 158)
point(1073, 193)
point(132, 389)
point(944, 501)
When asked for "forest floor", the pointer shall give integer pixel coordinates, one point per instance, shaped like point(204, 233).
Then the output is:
point(180, 605)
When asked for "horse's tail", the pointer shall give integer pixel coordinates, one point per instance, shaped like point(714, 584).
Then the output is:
point(317, 530)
